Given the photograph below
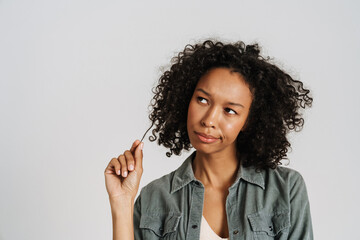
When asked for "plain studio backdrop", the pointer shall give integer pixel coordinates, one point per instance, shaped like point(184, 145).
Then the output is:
point(75, 84)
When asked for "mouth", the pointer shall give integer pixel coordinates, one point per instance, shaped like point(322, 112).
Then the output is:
point(206, 138)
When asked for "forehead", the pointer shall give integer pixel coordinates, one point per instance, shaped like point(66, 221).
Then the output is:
point(225, 85)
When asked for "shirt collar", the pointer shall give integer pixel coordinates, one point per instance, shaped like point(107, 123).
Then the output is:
point(185, 175)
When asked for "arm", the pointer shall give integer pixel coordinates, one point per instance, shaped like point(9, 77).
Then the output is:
point(301, 226)
point(122, 179)
point(122, 211)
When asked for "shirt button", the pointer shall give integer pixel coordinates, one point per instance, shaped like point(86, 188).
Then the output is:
point(235, 232)
point(194, 226)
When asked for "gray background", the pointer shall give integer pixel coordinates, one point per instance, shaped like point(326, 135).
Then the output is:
point(76, 79)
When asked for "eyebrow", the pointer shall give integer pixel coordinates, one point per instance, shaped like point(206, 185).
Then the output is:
point(208, 94)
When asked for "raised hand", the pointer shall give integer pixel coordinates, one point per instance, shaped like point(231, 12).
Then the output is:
point(123, 174)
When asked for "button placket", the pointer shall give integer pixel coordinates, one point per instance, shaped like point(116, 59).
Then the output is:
point(196, 207)
point(233, 216)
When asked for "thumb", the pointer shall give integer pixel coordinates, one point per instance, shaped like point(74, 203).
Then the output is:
point(134, 145)
point(139, 156)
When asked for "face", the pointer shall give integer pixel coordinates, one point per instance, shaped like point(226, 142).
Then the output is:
point(218, 111)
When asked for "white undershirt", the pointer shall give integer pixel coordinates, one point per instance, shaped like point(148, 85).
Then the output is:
point(206, 233)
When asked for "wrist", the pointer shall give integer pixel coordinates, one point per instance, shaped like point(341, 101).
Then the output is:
point(121, 204)
point(122, 211)
point(121, 199)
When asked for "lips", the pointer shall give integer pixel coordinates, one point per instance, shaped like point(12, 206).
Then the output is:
point(206, 138)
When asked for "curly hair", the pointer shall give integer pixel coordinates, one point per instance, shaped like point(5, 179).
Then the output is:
point(277, 99)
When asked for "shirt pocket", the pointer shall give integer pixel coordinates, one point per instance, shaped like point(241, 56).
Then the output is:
point(270, 225)
point(159, 225)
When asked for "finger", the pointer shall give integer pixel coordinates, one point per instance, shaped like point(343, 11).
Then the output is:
point(139, 156)
point(113, 167)
point(129, 160)
point(123, 167)
point(134, 145)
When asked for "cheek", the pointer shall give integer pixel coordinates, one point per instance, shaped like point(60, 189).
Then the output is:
point(233, 128)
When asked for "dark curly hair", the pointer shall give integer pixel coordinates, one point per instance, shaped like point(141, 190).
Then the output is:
point(277, 99)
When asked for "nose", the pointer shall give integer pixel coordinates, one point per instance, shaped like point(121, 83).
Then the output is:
point(210, 118)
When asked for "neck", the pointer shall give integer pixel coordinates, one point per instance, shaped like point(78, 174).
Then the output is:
point(216, 170)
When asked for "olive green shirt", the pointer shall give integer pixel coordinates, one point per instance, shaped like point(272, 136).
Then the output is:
point(266, 204)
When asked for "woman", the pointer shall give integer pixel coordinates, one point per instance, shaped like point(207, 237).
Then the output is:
point(235, 108)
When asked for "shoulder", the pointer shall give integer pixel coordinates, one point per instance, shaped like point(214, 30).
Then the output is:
point(284, 180)
point(171, 182)
point(287, 179)
point(156, 197)
point(162, 184)
point(283, 174)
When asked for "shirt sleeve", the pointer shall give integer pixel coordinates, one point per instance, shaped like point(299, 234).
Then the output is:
point(137, 215)
point(300, 218)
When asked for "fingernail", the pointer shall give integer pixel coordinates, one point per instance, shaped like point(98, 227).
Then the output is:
point(125, 174)
point(141, 145)
point(118, 172)
point(131, 167)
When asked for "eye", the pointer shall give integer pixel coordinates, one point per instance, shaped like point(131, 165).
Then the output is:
point(201, 99)
point(230, 111)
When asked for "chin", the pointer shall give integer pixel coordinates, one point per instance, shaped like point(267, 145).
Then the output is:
point(213, 148)
point(205, 148)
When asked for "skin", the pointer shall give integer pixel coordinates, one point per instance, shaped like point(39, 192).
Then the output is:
point(219, 107)
point(212, 111)
point(122, 179)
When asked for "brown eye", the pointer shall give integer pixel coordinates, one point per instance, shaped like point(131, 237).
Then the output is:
point(230, 111)
point(201, 99)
